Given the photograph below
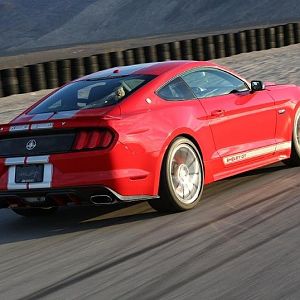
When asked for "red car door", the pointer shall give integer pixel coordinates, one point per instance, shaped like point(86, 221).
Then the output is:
point(243, 123)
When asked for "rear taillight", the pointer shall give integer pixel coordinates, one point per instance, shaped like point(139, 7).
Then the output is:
point(93, 139)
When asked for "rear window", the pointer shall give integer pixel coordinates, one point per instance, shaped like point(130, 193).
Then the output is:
point(92, 93)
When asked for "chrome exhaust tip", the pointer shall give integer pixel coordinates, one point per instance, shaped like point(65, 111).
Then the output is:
point(102, 200)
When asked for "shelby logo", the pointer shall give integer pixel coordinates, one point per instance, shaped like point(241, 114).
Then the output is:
point(235, 158)
point(31, 145)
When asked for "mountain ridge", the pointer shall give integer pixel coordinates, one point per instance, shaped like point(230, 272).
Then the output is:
point(32, 25)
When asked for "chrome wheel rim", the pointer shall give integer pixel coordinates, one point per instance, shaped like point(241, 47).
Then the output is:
point(185, 173)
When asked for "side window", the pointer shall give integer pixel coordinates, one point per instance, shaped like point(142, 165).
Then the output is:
point(176, 89)
point(212, 82)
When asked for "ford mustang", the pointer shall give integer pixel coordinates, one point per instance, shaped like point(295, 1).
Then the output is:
point(157, 132)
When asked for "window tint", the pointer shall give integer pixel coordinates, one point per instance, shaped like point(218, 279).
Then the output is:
point(212, 82)
point(176, 90)
point(92, 93)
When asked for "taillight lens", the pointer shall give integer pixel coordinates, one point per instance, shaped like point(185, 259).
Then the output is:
point(93, 139)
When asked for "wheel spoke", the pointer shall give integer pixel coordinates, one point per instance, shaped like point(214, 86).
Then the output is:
point(185, 173)
point(190, 164)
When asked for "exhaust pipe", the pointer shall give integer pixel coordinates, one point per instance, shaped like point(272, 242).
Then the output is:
point(102, 200)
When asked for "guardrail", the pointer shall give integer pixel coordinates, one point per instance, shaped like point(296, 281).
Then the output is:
point(52, 74)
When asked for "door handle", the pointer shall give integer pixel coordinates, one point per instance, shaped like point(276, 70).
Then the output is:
point(218, 113)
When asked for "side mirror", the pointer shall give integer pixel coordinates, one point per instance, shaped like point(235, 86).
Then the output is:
point(257, 85)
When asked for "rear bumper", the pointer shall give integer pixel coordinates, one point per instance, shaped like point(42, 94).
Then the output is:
point(119, 169)
point(85, 195)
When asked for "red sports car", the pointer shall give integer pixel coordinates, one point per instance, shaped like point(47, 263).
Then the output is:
point(155, 132)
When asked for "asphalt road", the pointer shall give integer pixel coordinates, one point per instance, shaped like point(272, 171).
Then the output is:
point(241, 242)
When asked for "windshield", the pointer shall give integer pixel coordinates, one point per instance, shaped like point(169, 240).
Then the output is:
point(92, 93)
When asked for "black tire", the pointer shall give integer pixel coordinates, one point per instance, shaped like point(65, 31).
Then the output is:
point(34, 212)
point(294, 160)
point(174, 172)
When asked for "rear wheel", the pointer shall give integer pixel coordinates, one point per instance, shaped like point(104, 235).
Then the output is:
point(35, 212)
point(181, 181)
point(294, 160)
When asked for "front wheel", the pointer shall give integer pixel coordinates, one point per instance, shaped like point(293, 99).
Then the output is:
point(182, 177)
point(34, 212)
point(294, 160)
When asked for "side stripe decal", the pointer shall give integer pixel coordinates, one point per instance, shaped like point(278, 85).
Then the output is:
point(256, 152)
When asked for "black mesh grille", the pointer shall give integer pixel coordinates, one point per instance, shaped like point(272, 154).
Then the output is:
point(41, 144)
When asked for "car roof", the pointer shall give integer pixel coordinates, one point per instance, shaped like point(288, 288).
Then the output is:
point(156, 68)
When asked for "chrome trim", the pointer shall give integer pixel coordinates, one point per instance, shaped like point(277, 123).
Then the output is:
point(42, 126)
point(95, 197)
point(44, 159)
point(13, 161)
point(19, 128)
point(281, 111)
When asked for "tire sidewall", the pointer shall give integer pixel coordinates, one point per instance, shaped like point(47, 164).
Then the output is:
point(294, 137)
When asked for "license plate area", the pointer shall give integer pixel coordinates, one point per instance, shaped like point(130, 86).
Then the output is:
point(32, 173)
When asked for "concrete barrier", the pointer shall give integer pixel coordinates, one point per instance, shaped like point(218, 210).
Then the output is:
point(55, 73)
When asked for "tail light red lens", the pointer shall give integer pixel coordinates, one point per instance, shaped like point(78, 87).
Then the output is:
point(93, 139)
